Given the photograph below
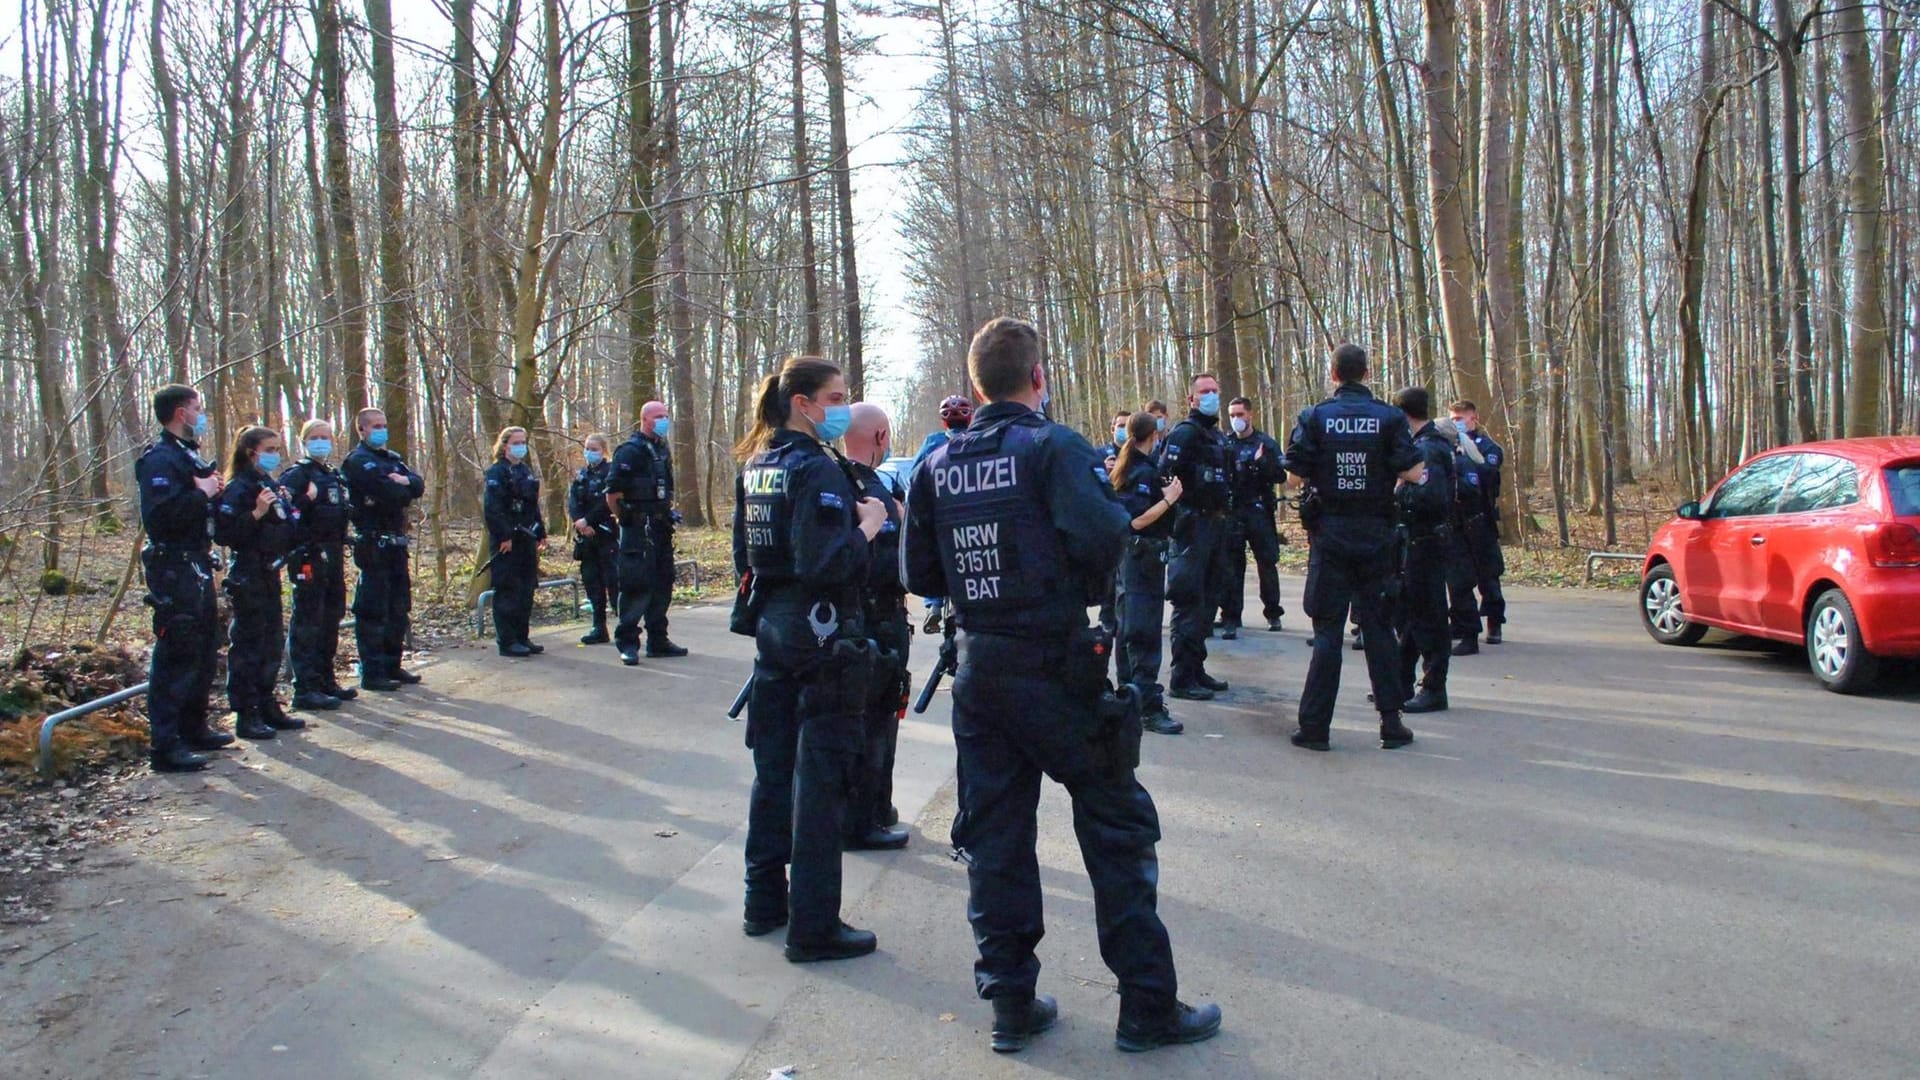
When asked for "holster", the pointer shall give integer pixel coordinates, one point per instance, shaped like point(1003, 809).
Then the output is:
point(1110, 719)
point(1310, 509)
point(747, 603)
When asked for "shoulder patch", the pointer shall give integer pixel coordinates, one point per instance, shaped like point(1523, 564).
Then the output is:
point(1100, 472)
point(828, 498)
point(160, 482)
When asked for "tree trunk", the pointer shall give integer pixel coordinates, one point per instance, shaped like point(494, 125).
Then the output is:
point(1223, 318)
point(175, 301)
point(1866, 182)
point(1793, 216)
point(1405, 187)
point(351, 334)
point(1453, 251)
point(843, 189)
point(643, 234)
point(803, 176)
point(686, 445)
point(1497, 224)
point(396, 285)
point(473, 331)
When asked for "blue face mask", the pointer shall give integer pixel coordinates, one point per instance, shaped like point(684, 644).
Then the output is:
point(319, 448)
point(377, 438)
point(1210, 403)
point(595, 457)
point(661, 426)
point(835, 423)
point(269, 462)
point(517, 451)
point(200, 426)
point(1159, 423)
point(1119, 436)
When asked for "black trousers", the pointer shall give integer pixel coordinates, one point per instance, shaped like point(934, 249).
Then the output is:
point(185, 643)
point(805, 728)
point(1421, 616)
point(1142, 606)
point(599, 574)
point(646, 579)
point(319, 605)
point(515, 575)
point(1012, 724)
point(382, 606)
point(1350, 560)
point(1197, 562)
point(871, 797)
point(1256, 532)
point(1475, 561)
point(255, 636)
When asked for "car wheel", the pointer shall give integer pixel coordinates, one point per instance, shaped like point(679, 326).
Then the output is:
point(1841, 663)
point(1661, 612)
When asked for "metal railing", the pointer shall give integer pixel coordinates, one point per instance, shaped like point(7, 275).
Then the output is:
point(480, 602)
point(1594, 557)
point(43, 761)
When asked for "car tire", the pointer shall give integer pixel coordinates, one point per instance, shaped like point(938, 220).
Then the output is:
point(1660, 610)
point(1834, 652)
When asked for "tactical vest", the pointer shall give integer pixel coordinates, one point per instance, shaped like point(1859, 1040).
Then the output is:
point(1351, 472)
point(768, 514)
point(883, 572)
point(1212, 476)
point(997, 543)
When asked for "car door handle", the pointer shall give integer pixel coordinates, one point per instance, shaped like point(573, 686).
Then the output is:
point(1756, 540)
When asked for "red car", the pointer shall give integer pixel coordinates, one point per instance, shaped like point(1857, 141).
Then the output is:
point(1817, 545)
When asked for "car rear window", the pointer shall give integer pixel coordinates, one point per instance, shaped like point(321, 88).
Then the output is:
point(1904, 482)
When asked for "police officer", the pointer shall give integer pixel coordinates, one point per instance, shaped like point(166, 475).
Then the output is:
point(319, 570)
point(1142, 595)
point(1350, 448)
point(517, 536)
point(596, 540)
point(1256, 469)
point(871, 818)
point(1196, 453)
point(381, 487)
point(640, 495)
point(1015, 521)
point(1109, 598)
point(956, 412)
point(255, 520)
point(806, 537)
point(1426, 515)
point(1477, 560)
point(177, 490)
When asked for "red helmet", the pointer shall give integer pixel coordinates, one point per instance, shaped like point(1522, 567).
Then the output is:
point(956, 411)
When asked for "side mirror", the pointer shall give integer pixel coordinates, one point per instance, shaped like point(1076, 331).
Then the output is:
point(1689, 511)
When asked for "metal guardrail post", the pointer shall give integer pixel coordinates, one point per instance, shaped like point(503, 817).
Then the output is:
point(1603, 556)
point(480, 602)
point(43, 760)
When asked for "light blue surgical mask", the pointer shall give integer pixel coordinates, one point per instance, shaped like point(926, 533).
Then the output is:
point(200, 426)
point(1240, 425)
point(377, 438)
point(1210, 403)
point(595, 457)
point(319, 448)
point(517, 451)
point(661, 426)
point(1119, 436)
point(835, 423)
point(1159, 423)
point(269, 462)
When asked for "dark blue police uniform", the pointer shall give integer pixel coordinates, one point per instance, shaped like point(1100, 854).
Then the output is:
point(643, 476)
point(1351, 448)
point(255, 636)
point(318, 567)
point(884, 606)
point(1476, 559)
point(795, 529)
point(1199, 558)
point(1257, 467)
point(1142, 596)
point(178, 565)
point(383, 597)
point(596, 554)
point(1015, 521)
point(511, 504)
point(1426, 513)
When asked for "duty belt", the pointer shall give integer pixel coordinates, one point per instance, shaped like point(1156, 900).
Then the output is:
point(385, 540)
point(161, 547)
point(1148, 543)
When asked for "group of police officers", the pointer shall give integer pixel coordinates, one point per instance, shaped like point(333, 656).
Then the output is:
point(1015, 524)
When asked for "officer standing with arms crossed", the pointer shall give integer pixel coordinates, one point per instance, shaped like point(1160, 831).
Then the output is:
point(382, 487)
point(596, 541)
point(1014, 521)
point(516, 534)
point(870, 814)
point(319, 570)
point(1256, 468)
point(1477, 560)
point(1196, 454)
point(806, 538)
point(1350, 448)
point(640, 495)
point(177, 489)
point(1426, 513)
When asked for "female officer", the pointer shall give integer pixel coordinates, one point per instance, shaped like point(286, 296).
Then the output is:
point(803, 533)
point(257, 522)
point(1142, 593)
point(517, 536)
point(596, 537)
point(318, 568)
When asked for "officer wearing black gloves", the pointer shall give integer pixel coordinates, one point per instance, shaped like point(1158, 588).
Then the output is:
point(1350, 448)
point(596, 536)
point(1477, 561)
point(381, 488)
point(255, 519)
point(1426, 515)
point(1256, 469)
point(318, 568)
point(805, 536)
point(871, 819)
point(1195, 452)
point(640, 495)
point(1142, 594)
point(517, 536)
point(1015, 522)
point(177, 489)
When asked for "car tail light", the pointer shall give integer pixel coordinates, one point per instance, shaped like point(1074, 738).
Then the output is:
point(1894, 544)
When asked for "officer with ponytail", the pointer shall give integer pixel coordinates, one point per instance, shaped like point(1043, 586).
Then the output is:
point(319, 571)
point(257, 522)
point(804, 535)
point(516, 536)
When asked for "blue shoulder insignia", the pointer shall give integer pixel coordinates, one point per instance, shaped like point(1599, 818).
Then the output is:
point(828, 498)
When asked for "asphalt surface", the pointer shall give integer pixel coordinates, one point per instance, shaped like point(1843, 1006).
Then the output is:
point(1609, 859)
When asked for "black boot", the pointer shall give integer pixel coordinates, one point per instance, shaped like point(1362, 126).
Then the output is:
point(1230, 632)
point(249, 724)
point(1185, 1024)
point(531, 647)
point(1193, 692)
point(177, 758)
point(1393, 733)
point(1218, 686)
point(879, 838)
point(405, 677)
point(843, 943)
point(1467, 646)
point(597, 636)
point(516, 649)
point(206, 739)
point(660, 647)
point(344, 693)
point(277, 718)
point(1426, 701)
point(1493, 635)
point(1161, 722)
point(1018, 1019)
point(315, 700)
point(1307, 742)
